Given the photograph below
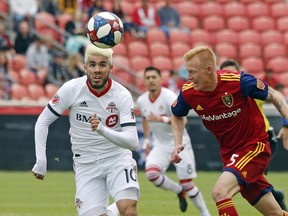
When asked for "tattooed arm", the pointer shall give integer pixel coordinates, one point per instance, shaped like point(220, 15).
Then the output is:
point(277, 99)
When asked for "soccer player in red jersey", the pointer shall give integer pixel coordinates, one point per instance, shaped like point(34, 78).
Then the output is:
point(224, 100)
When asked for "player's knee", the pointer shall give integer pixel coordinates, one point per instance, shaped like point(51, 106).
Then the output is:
point(152, 173)
point(219, 193)
point(129, 210)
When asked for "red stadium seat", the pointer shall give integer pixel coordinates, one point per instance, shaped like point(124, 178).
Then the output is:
point(120, 49)
point(227, 35)
point(284, 78)
point(36, 92)
point(200, 36)
point(273, 50)
point(179, 49)
point(159, 49)
point(249, 36)
point(279, 9)
point(278, 64)
point(14, 75)
point(18, 62)
point(285, 38)
point(213, 23)
point(282, 24)
point(272, 1)
point(50, 90)
point(212, 8)
point(156, 35)
point(123, 77)
point(27, 77)
point(257, 9)
point(189, 22)
point(162, 63)
point(179, 36)
point(138, 48)
point(263, 23)
point(177, 63)
point(120, 62)
point(253, 65)
point(19, 92)
point(226, 50)
point(249, 49)
point(271, 36)
point(139, 62)
point(238, 23)
point(246, 1)
point(189, 8)
point(234, 9)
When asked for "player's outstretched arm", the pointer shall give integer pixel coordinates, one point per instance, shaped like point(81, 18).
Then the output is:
point(41, 132)
point(127, 138)
point(278, 100)
point(280, 104)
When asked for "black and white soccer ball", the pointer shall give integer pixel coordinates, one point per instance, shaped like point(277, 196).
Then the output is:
point(105, 29)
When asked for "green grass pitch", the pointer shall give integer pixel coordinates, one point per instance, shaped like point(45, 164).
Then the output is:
point(22, 195)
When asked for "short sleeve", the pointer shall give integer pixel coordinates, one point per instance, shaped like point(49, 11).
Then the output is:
point(253, 87)
point(180, 108)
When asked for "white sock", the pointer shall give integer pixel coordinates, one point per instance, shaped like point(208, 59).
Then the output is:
point(168, 184)
point(196, 197)
point(113, 210)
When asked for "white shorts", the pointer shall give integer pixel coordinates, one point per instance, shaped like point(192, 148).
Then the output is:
point(96, 181)
point(160, 156)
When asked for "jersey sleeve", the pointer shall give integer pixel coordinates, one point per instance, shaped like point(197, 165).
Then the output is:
point(253, 87)
point(127, 114)
point(61, 100)
point(180, 108)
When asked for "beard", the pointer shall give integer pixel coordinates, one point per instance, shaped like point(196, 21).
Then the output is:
point(100, 85)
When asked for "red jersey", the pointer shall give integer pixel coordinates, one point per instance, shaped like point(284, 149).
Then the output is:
point(229, 112)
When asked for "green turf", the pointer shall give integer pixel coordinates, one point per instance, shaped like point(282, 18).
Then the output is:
point(22, 195)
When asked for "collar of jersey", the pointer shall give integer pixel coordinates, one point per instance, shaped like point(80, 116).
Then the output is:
point(103, 92)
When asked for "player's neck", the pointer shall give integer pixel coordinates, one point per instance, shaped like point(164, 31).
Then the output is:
point(154, 94)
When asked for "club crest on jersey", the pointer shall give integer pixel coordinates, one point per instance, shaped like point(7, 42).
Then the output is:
point(260, 85)
point(55, 99)
point(112, 120)
point(132, 113)
point(111, 107)
point(228, 100)
point(175, 103)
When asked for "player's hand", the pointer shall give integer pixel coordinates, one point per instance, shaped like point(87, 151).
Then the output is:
point(175, 158)
point(283, 134)
point(147, 150)
point(154, 118)
point(94, 122)
point(38, 176)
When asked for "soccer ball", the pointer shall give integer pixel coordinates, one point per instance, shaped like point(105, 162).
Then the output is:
point(105, 29)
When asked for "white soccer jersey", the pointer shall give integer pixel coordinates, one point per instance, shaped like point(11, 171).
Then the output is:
point(114, 108)
point(162, 132)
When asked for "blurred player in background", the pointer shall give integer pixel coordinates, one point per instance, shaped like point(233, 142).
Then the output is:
point(232, 65)
point(224, 100)
point(103, 133)
point(155, 108)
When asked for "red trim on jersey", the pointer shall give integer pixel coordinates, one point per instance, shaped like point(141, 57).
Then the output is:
point(103, 92)
point(151, 100)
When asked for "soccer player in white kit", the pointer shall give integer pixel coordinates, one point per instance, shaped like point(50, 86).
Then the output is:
point(155, 108)
point(103, 133)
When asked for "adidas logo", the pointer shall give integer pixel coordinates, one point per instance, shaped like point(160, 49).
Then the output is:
point(199, 107)
point(83, 104)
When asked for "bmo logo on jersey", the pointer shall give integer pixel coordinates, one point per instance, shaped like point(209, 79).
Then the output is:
point(112, 120)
